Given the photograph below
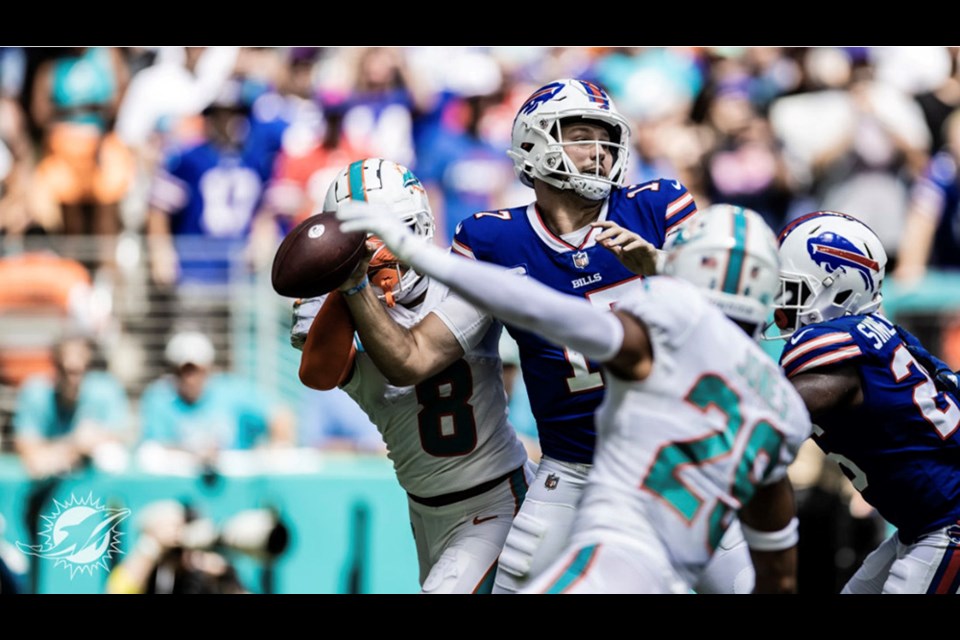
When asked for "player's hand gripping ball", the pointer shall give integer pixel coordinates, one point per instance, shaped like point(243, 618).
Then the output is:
point(316, 257)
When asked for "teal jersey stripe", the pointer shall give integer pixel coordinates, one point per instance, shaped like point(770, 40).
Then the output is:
point(486, 585)
point(357, 191)
point(574, 570)
point(735, 263)
point(518, 484)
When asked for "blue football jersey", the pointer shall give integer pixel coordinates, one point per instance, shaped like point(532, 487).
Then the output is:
point(211, 196)
point(901, 447)
point(937, 193)
point(564, 388)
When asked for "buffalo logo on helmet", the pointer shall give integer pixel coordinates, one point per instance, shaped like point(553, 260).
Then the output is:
point(832, 252)
point(596, 94)
point(541, 95)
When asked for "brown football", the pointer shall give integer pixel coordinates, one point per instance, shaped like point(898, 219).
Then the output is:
point(315, 257)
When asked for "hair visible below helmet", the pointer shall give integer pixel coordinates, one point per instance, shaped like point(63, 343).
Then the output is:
point(537, 146)
point(832, 265)
point(730, 253)
point(392, 185)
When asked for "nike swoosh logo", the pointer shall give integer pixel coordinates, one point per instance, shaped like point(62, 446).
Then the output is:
point(676, 185)
point(797, 337)
point(479, 520)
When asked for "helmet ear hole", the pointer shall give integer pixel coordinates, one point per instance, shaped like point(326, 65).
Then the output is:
point(841, 297)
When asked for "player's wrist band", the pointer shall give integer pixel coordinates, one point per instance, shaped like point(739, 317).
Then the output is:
point(772, 540)
point(358, 288)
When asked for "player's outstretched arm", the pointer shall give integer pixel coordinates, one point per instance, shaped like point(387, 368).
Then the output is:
point(617, 339)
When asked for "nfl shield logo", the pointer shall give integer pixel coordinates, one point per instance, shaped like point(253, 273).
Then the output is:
point(552, 481)
point(581, 260)
point(953, 532)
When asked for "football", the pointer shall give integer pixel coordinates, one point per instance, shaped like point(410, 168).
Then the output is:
point(315, 257)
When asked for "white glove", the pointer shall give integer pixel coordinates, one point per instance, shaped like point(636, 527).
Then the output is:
point(383, 223)
point(304, 311)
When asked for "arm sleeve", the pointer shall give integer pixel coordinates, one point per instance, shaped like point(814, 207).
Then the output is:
point(329, 352)
point(526, 303)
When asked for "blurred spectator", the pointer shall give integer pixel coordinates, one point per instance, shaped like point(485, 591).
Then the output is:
point(855, 141)
point(21, 197)
point(205, 412)
point(332, 421)
point(312, 150)
point(379, 96)
point(931, 235)
point(43, 296)
point(59, 423)
point(942, 97)
point(743, 164)
point(75, 97)
point(162, 106)
point(461, 169)
point(201, 207)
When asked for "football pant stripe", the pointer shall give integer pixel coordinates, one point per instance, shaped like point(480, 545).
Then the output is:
point(947, 577)
point(575, 570)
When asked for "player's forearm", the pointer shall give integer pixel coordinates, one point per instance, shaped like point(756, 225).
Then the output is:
point(770, 528)
point(391, 346)
point(776, 571)
point(526, 303)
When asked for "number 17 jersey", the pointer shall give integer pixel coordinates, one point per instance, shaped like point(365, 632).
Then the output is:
point(565, 388)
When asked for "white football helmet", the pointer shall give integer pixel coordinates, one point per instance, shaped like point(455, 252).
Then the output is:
point(731, 254)
point(393, 185)
point(537, 146)
point(832, 265)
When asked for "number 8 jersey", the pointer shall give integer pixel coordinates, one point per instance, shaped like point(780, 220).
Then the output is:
point(450, 432)
point(901, 447)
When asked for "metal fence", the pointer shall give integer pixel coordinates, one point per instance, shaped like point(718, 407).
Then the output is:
point(132, 318)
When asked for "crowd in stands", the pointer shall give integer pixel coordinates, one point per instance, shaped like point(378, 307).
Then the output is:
point(191, 161)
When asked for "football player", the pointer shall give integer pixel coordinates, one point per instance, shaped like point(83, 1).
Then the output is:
point(697, 424)
point(885, 409)
point(588, 235)
point(425, 367)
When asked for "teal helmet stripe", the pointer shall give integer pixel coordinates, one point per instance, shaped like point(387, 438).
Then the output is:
point(731, 280)
point(355, 173)
point(574, 570)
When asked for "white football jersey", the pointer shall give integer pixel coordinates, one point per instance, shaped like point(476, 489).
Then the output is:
point(450, 432)
point(679, 452)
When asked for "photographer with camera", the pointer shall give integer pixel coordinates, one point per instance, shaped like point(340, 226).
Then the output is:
point(180, 552)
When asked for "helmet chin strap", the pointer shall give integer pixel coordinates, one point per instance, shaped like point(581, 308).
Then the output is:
point(590, 188)
point(389, 278)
